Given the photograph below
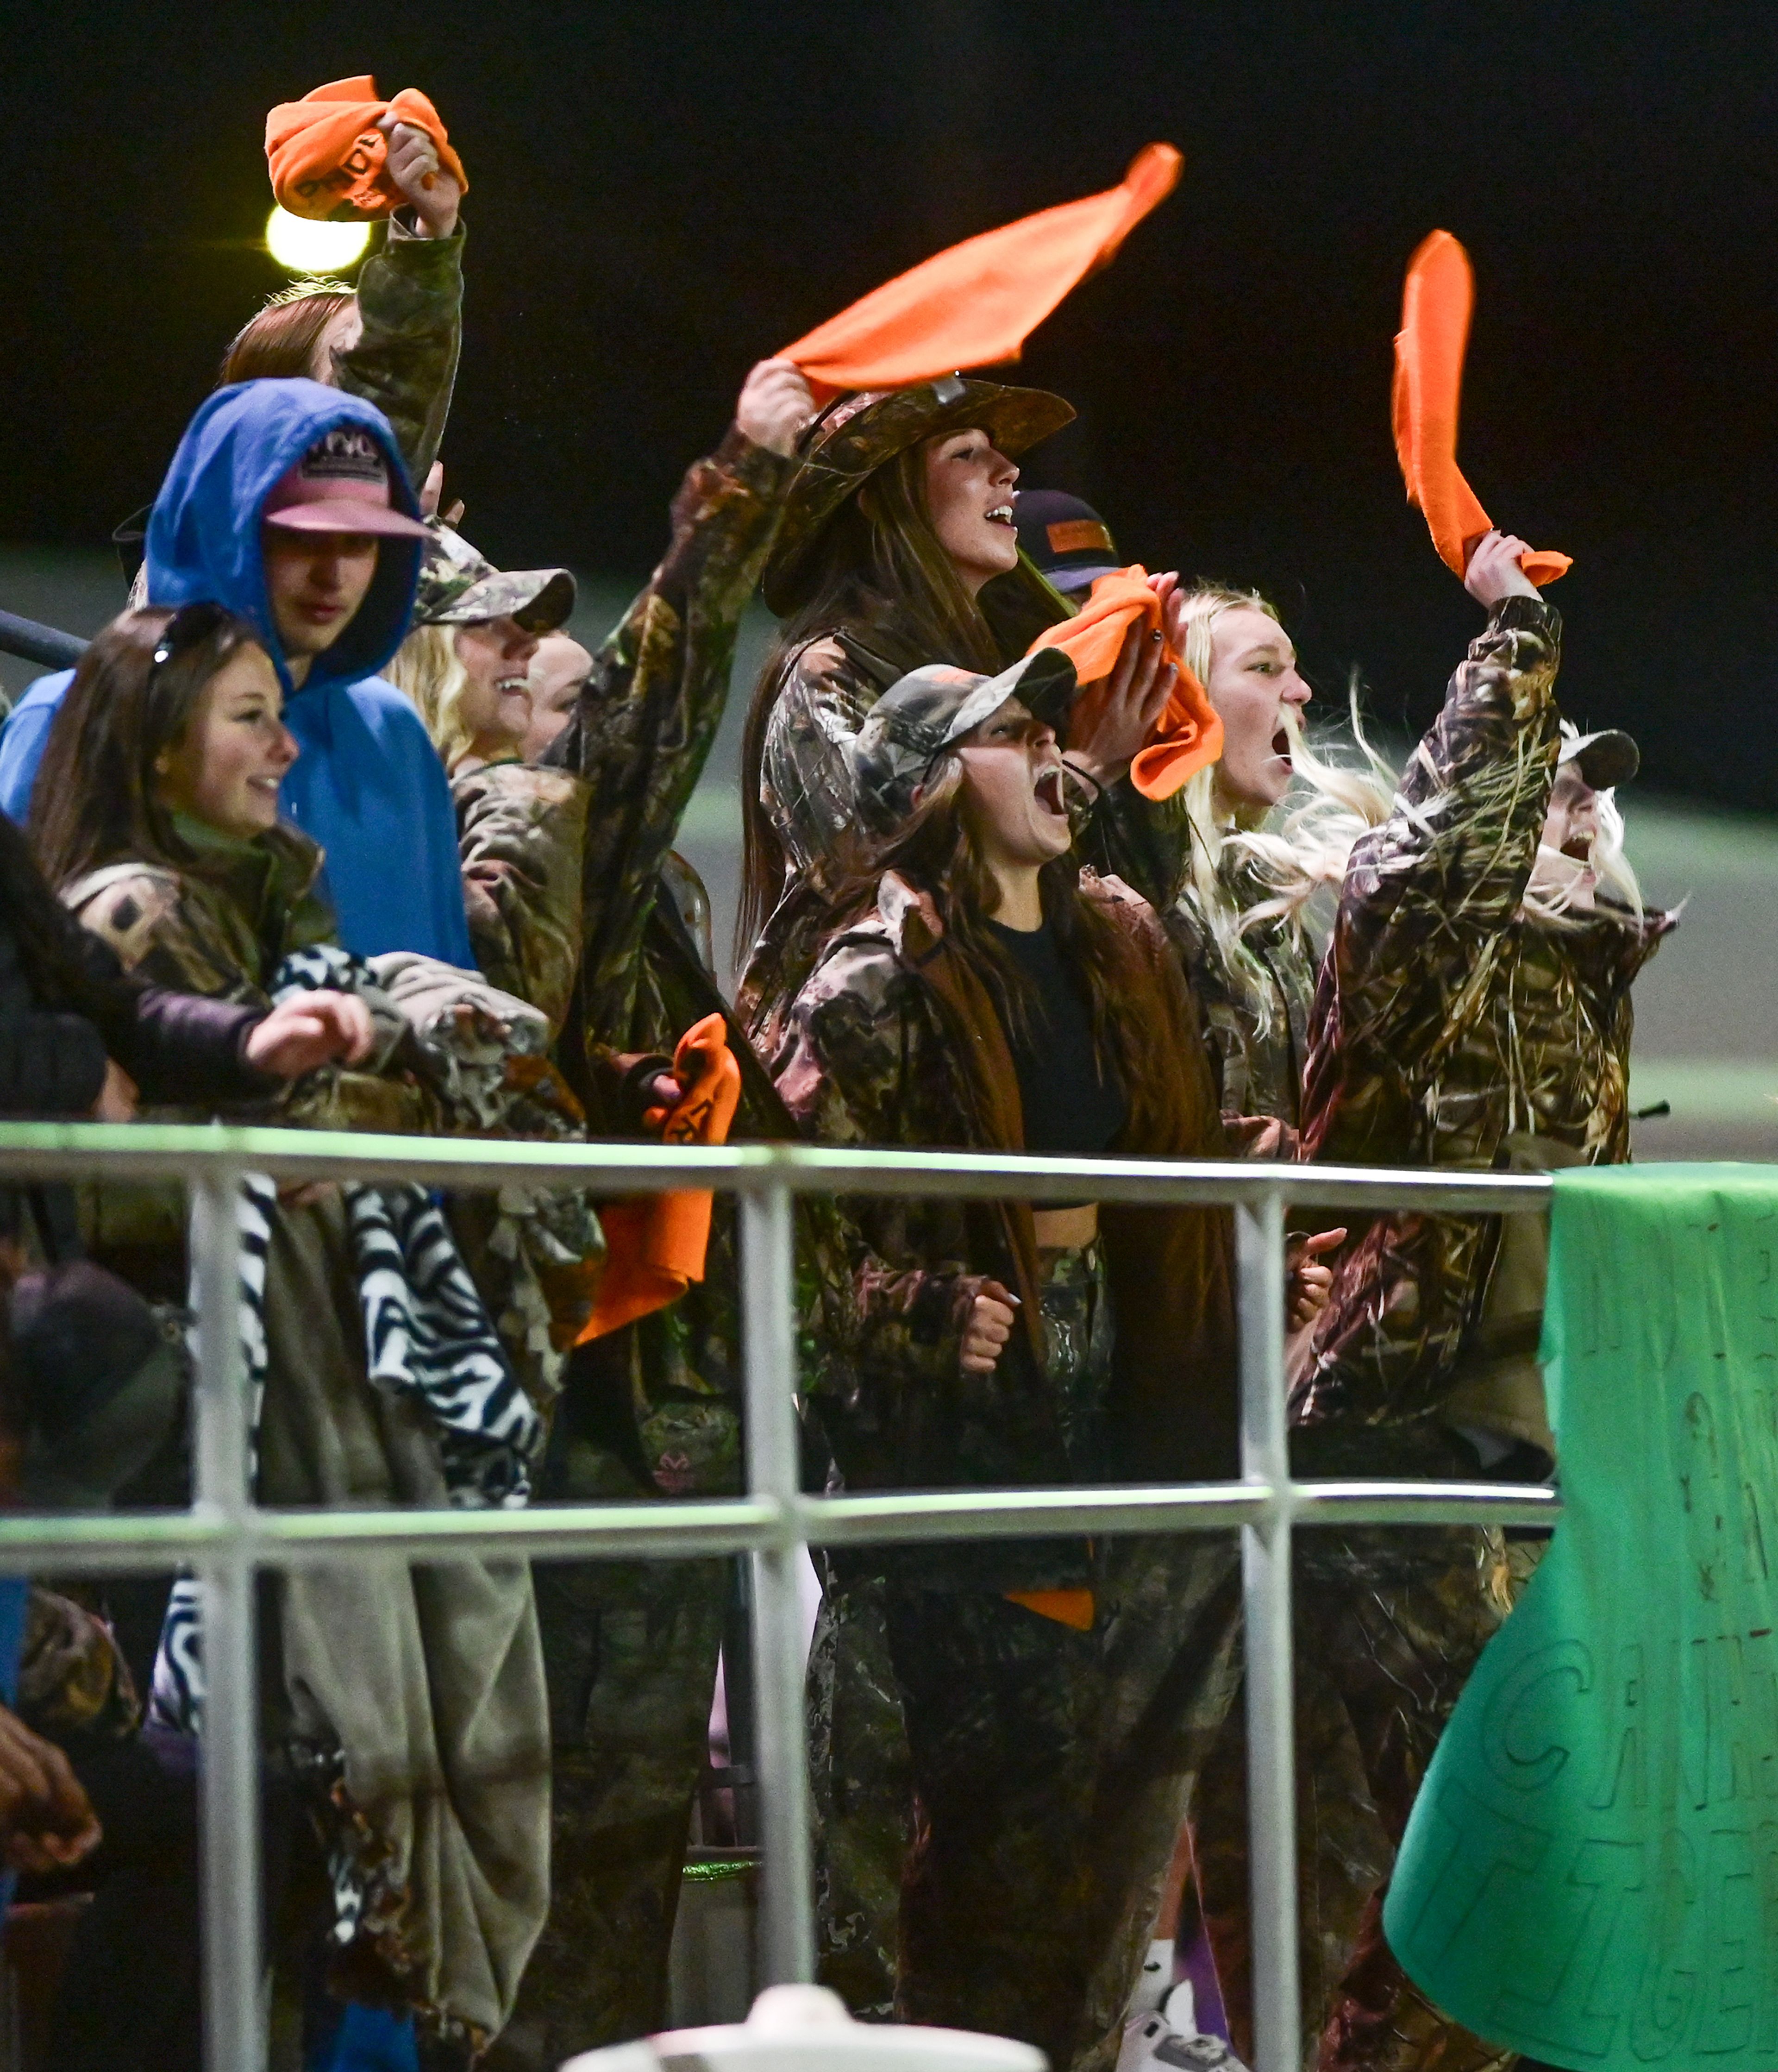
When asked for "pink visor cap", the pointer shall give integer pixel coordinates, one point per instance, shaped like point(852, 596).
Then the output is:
point(340, 485)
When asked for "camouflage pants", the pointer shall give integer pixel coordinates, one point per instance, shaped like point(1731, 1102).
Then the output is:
point(861, 1793)
point(1388, 1626)
point(1051, 1769)
point(630, 1652)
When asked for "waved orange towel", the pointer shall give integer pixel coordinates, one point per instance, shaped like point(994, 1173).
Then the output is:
point(654, 1245)
point(1069, 1608)
point(1188, 736)
point(328, 157)
point(1436, 300)
point(975, 304)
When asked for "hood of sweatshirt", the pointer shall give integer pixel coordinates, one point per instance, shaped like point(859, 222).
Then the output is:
point(203, 533)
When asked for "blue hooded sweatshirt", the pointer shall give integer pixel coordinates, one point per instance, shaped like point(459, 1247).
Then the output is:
point(368, 785)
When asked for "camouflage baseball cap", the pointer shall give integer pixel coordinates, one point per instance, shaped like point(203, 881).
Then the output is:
point(459, 585)
point(919, 716)
point(846, 443)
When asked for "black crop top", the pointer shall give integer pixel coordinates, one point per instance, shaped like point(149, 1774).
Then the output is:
point(1070, 1110)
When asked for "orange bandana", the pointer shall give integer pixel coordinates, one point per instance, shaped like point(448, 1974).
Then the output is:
point(1188, 736)
point(655, 1244)
point(975, 304)
point(328, 157)
point(1436, 299)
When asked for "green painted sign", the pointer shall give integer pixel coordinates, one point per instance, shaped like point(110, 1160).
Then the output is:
point(1590, 1873)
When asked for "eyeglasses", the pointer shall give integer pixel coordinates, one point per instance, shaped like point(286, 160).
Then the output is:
point(189, 627)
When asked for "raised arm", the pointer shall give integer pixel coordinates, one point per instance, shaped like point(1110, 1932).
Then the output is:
point(1428, 892)
point(410, 300)
point(642, 729)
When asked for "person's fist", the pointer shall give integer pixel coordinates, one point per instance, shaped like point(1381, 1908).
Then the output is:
point(987, 1328)
point(1494, 572)
point(46, 1821)
point(311, 1030)
point(775, 405)
point(412, 163)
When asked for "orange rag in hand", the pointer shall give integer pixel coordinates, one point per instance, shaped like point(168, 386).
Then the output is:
point(1188, 736)
point(654, 1245)
point(975, 304)
point(328, 158)
point(1436, 300)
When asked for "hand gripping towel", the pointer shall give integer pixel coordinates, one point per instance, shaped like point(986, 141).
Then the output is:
point(328, 159)
point(655, 1244)
point(1188, 736)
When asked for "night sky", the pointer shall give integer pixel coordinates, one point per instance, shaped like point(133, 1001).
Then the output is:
point(663, 194)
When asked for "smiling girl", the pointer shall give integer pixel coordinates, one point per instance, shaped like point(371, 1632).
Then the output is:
point(898, 548)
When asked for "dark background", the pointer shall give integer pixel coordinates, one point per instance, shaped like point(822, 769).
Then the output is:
point(664, 193)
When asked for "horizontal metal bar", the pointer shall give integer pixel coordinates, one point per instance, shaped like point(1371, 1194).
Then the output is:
point(296, 1539)
point(142, 1151)
point(47, 645)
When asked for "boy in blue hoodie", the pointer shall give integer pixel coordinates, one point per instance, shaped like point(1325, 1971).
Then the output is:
point(288, 503)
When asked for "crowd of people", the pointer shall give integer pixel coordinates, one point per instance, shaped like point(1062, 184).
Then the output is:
point(336, 826)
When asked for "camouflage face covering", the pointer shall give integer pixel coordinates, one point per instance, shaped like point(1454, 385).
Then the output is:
point(459, 585)
point(919, 717)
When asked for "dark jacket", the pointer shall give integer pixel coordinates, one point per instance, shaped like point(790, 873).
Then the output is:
point(894, 1040)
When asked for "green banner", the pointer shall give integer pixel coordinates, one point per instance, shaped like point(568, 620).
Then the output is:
point(1590, 1873)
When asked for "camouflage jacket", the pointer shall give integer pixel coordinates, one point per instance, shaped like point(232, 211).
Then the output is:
point(1448, 1020)
point(410, 296)
point(826, 688)
point(894, 1040)
point(1259, 1071)
point(567, 908)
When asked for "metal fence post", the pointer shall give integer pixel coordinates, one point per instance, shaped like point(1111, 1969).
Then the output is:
point(1265, 1579)
point(233, 2015)
point(768, 1331)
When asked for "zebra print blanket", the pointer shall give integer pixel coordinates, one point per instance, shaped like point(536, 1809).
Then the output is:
point(427, 1335)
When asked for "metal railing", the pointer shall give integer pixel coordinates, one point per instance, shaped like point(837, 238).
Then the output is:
point(225, 1538)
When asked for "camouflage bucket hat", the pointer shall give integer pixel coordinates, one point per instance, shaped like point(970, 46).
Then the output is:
point(459, 585)
point(846, 443)
point(919, 717)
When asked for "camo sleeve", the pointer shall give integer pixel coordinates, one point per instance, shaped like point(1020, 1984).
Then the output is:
point(642, 731)
point(852, 1044)
point(410, 295)
point(1429, 892)
point(805, 784)
point(522, 832)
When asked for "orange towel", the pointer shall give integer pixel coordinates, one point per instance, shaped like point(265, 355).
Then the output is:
point(654, 1245)
point(1436, 299)
point(1188, 736)
point(1069, 1608)
point(975, 304)
point(326, 154)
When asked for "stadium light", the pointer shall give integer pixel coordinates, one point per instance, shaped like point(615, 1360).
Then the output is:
point(300, 246)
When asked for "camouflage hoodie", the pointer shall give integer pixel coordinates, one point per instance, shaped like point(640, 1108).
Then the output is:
point(1448, 1020)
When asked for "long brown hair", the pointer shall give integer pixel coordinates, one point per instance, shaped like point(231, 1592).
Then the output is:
point(96, 799)
point(936, 851)
point(283, 339)
point(880, 571)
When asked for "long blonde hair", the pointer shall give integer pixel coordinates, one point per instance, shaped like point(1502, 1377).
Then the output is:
point(426, 667)
point(1341, 788)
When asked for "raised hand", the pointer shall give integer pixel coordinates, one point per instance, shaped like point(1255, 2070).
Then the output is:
point(1494, 572)
point(413, 165)
point(775, 405)
point(1112, 719)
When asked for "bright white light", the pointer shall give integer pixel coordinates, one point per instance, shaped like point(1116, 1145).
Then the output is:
point(300, 246)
